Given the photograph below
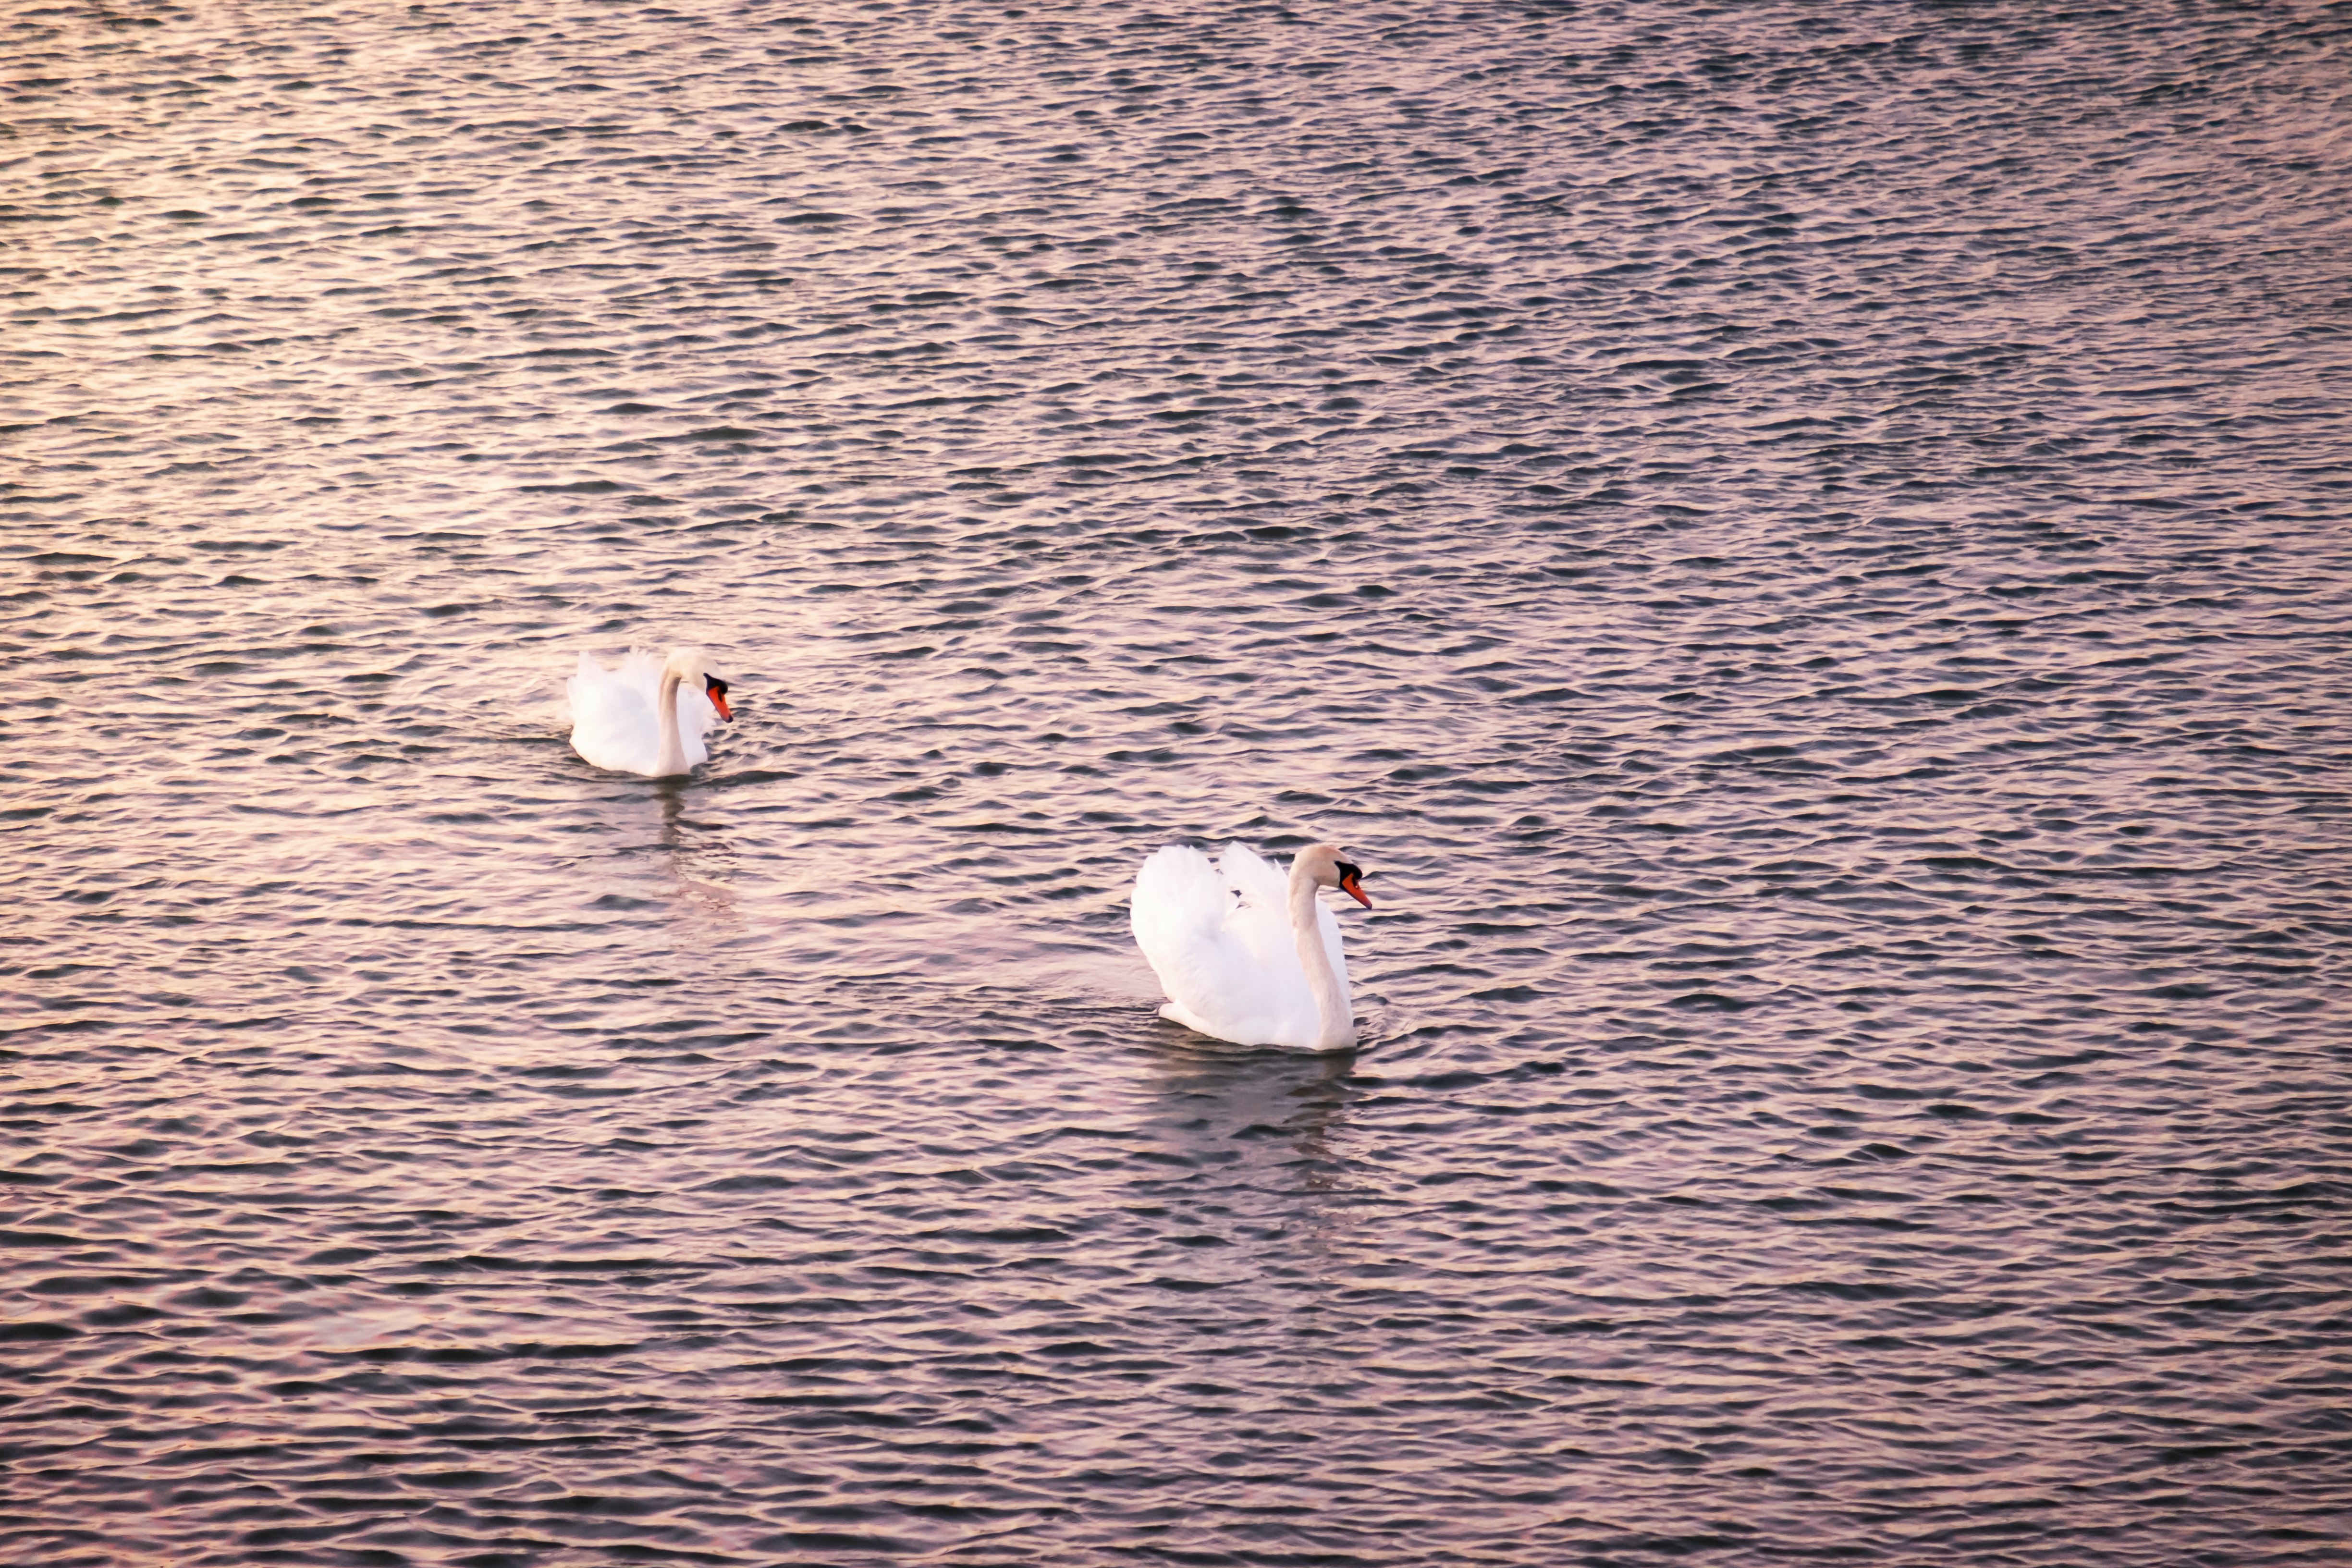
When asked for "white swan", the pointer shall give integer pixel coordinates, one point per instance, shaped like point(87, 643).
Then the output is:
point(1244, 955)
point(637, 719)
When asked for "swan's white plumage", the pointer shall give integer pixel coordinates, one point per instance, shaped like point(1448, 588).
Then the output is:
point(1219, 938)
point(614, 723)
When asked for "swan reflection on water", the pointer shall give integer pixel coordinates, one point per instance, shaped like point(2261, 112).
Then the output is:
point(701, 862)
point(1227, 1106)
point(1258, 1210)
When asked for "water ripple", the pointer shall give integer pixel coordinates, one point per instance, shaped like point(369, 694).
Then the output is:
point(1801, 548)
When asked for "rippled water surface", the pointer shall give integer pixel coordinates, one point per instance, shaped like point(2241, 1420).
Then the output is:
point(1803, 547)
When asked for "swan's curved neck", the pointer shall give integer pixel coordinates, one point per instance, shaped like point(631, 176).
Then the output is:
point(1307, 927)
point(671, 757)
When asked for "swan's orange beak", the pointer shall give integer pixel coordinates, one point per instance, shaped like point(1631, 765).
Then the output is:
point(716, 689)
point(1351, 882)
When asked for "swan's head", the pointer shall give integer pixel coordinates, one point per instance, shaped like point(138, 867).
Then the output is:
point(1325, 869)
point(689, 664)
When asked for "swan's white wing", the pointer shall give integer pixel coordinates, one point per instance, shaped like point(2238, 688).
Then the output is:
point(1254, 876)
point(1177, 913)
point(613, 715)
point(641, 671)
point(1258, 911)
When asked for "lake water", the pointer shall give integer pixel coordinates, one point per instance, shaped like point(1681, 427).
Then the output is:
point(1804, 548)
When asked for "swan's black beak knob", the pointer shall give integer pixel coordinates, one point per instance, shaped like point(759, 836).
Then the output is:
point(1351, 882)
point(716, 689)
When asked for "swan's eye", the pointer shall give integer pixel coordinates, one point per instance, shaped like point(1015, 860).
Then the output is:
point(712, 683)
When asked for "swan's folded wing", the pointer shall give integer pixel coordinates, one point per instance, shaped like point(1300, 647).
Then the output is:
point(587, 682)
point(1257, 911)
point(1255, 878)
point(612, 721)
point(640, 671)
point(1178, 915)
point(1179, 901)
